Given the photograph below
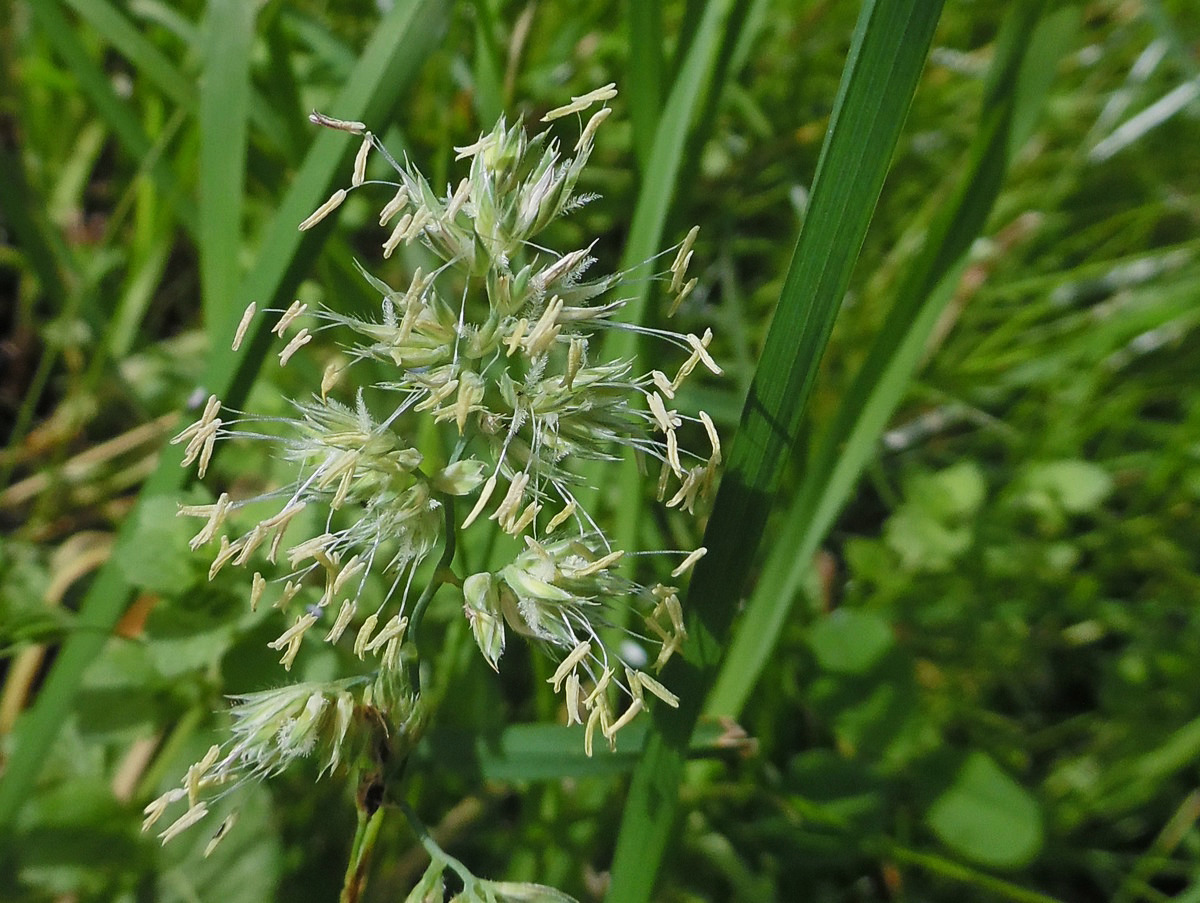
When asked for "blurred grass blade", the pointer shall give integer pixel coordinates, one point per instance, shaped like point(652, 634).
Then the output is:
point(885, 60)
point(143, 279)
point(51, 260)
point(489, 77)
point(224, 110)
point(285, 92)
point(48, 256)
point(1027, 56)
point(647, 71)
point(309, 28)
point(150, 62)
point(157, 69)
point(688, 26)
point(402, 40)
point(116, 113)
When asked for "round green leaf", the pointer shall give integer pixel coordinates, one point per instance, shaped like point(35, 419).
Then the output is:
point(849, 641)
point(988, 817)
point(1079, 486)
point(959, 490)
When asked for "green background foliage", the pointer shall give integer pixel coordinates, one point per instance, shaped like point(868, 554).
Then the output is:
point(949, 256)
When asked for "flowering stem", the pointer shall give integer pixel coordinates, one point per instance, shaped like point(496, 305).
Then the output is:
point(436, 853)
point(442, 574)
point(360, 853)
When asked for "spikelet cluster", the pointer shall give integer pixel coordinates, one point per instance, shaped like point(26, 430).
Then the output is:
point(333, 722)
point(497, 344)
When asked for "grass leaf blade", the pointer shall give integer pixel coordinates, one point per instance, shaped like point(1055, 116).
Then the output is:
point(116, 113)
point(224, 115)
point(644, 86)
point(886, 57)
point(848, 444)
point(138, 49)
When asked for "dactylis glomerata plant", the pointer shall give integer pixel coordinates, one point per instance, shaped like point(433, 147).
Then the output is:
point(497, 345)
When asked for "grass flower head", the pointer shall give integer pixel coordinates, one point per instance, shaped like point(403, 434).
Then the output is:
point(495, 346)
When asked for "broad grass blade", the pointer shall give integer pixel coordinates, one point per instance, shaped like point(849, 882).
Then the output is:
point(1026, 58)
point(886, 56)
point(224, 118)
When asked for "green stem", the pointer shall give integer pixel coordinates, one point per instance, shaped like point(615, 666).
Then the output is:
point(168, 752)
point(436, 853)
point(365, 836)
point(441, 575)
point(955, 871)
